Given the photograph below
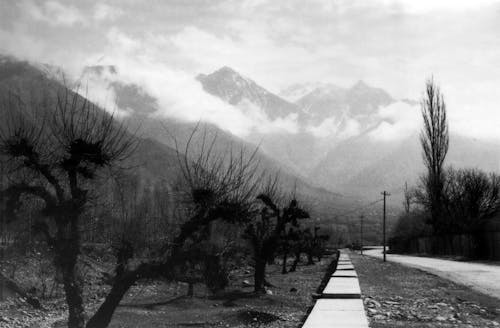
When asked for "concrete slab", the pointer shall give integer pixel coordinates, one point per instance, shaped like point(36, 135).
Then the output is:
point(345, 267)
point(334, 313)
point(339, 305)
point(344, 262)
point(338, 287)
point(345, 273)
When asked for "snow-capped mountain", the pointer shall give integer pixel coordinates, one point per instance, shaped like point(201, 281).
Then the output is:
point(234, 88)
point(328, 100)
point(298, 90)
point(352, 140)
point(348, 138)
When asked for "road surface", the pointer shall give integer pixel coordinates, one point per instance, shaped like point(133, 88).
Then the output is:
point(484, 278)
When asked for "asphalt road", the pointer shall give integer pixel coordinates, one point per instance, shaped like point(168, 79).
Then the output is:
point(484, 278)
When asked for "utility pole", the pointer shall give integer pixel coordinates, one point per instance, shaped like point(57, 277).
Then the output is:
point(2, 228)
point(385, 194)
point(361, 233)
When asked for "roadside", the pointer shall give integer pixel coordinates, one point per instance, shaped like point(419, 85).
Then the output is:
point(398, 296)
point(481, 277)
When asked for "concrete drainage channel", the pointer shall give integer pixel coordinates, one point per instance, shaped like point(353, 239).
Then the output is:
point(339, 305)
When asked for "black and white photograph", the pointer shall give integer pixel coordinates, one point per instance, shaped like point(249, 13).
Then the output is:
point(249, 163)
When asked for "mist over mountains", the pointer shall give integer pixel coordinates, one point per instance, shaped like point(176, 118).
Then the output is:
point(354, 141)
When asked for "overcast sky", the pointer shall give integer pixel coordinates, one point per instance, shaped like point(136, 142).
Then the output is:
point(395, 45)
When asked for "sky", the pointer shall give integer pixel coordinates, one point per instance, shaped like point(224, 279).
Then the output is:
point(395, 45)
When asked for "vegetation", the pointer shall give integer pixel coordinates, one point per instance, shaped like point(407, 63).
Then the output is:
point(448, 200)
point(470, 197)
point(265, 230)
point(65, 158)
point(52, 163)
point(435, 143)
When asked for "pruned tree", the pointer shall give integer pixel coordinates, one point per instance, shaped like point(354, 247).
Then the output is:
point(216, 187)
point(265, 229)
point(58, 147)
point(297, 247)
point(289, 240)
point(435, 142)
point(55, 148)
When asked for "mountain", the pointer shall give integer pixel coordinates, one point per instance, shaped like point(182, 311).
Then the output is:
point(159, 141)
point(234, 88)
point(27, 82)
point(142, 117)
point(298, 90)
point(370, 166)
point(329, 100)
point(338, 145)
point(156, 156)
point(325, 115)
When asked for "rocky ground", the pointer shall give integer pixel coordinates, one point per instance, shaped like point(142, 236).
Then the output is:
point(398, 296)
point(160, 304)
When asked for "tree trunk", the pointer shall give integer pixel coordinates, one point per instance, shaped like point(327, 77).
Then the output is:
point(102, 317)
point(121, 285)
point(73, 291)
point(295, 262)
point(190, 292)
point(310, 260)
point(283, 267)
point(259, 275)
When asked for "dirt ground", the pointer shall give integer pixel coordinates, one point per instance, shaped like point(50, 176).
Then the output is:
point(399, 296)
point(166, 304)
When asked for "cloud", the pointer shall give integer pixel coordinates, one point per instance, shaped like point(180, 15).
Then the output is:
point(393, 44)
point(105, 12)
point(54, 13)
point(178, 94)
point(399, 120)
point(263, 124)
point(338, 127)
point(429, 6)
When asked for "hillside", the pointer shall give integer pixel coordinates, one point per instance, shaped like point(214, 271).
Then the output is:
point(156, 157)
point(25, 82)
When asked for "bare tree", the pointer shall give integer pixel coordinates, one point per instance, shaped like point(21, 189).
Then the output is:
point(470, 197)
point(435, 142)
point(217, 187)
point(408, 196)
point(265, 230)
point(56, 146)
